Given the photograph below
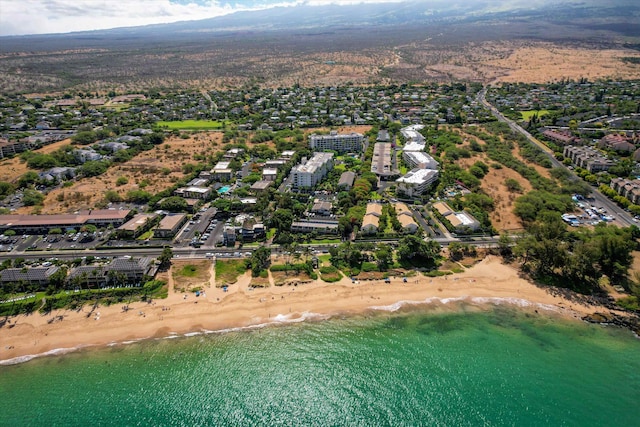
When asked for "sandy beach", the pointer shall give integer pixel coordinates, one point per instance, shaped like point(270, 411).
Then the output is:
point(488, 282)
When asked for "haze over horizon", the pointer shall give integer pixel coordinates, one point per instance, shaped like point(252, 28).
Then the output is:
point(64, 16)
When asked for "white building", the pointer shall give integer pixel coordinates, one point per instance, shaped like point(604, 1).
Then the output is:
point(417, 181)
point(201, 193)
point(342, 143)
point(269, 174)
point(308, 174)
point(414, 141)
point(419, 160)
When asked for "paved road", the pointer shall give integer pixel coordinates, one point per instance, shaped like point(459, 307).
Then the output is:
point(599, 199)
point(187, 252)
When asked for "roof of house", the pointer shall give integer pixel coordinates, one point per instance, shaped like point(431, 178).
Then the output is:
point(261, 185)
point(137, 221)
point(373, 209)
point(347, 178)
point(129, 264)
point(407, 221)
point(34, 274)
point(170, 221)
point(63, 220)
point(87, 272)
point(320, 205)
point(402, 209)
point(418, 176)
point(442, 208)
point(370, 221)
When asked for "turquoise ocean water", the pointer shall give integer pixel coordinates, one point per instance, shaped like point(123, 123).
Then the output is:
point(500, 367)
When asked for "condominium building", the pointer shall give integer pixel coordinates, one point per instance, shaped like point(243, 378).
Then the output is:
point(405, 217)
point(311, 172)
point(629, 188)
point(382, 163)
point(201, 193)
point(371, 220)
point(417, 181)
point(588, 158)
point(461, 221)
point(10, 148)
point(342, 143)
point(414, 141)
point(419, 160)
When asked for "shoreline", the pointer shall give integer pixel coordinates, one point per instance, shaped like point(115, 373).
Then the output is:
point(486, 284)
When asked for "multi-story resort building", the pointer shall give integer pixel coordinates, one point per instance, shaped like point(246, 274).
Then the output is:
point(588, 158)
point(629, 188)
point(311, 172)
point(419, 159)
point(342, 143)
point(417, 181)
point(382, 163)
point(201, 193)
point(169, 225)
point(414, 141)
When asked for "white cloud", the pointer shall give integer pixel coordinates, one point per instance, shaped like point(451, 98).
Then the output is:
point(62, 16)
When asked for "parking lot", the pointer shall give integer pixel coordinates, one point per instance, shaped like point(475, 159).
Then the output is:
point(202, 230)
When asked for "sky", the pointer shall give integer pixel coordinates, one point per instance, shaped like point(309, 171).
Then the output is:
point(20, 17)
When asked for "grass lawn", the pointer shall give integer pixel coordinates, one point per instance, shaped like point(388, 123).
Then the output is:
point(191, 124)
point(526, 115)
point(227, 271)
point(188, 271)
point(330, 274)
point(271, 233)
point(324, 260)
point(191, 274)
point(147, 235)
point(325, 241)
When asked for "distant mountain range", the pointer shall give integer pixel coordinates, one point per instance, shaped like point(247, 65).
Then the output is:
point(613, 14)
point(401, 42)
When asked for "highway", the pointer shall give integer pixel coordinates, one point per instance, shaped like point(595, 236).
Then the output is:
point(599, 200)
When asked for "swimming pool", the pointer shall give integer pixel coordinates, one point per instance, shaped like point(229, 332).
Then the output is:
point(224, 189)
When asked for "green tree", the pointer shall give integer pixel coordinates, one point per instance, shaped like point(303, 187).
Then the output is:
point(281, 220)
point(456, 251)
point(6, 188)
point(412, 248)
point(384, 256)
point(112, 196)
point(58, 279)
point(28, 179)
point(32, 197)
point(165, 257)
point(505, 246)
point(84, 137)
point(614, 246)
point(94, 168)
point(174, 204)
point(138, 196)
point(41, 161)
point(260, 260)
point(513, 185)
point(122, 180)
